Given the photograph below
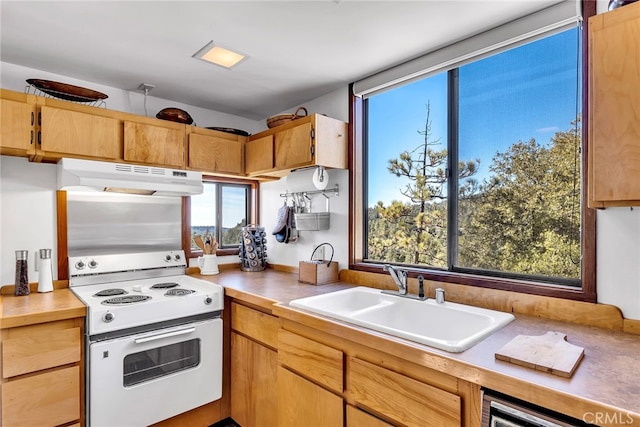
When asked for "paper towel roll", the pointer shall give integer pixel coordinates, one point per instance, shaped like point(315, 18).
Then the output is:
point(307, 180)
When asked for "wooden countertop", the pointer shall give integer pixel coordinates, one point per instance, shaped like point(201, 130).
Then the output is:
point(607, 381)
point(39, 307)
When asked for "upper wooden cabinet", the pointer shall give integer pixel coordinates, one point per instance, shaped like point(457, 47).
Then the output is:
point(17, 123)
point(614, 108)
point(259, 155)
point(161, 144)
point(216, 152)
point(314, 140)
point(78, 134)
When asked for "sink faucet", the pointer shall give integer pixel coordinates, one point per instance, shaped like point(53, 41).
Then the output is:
point(400, 277)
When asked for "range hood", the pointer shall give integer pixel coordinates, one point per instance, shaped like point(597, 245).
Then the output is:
point(90, 175)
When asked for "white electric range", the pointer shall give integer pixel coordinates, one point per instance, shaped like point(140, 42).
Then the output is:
point(150, 329)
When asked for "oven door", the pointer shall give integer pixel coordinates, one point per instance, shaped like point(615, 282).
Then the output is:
point(141, 379)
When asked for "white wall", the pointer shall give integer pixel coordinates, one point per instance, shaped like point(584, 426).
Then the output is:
point(27, 190)
point(27, 200)
point(336, 105)
point(13, 77)
point(27, 214)
point(618, 254)
point(618, 229)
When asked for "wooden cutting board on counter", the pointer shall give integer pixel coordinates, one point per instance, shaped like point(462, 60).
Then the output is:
point(547, 353)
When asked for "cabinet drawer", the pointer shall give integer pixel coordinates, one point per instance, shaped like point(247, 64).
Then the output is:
point(30, 350)
point(48, 399)
point(255, 324)
point(401, 398)
point(358, 418)
point(316, 361)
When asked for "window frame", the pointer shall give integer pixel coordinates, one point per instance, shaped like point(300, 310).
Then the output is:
point(358, 170)
point(186, 213)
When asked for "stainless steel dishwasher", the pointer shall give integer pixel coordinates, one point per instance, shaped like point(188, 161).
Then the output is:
point(499, 410)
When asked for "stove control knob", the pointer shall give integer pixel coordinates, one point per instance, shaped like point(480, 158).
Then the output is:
point(177, 257)
point(208, 300)
point(79, 265)
point(93, 263)
point(108, 317)
point(167, 258)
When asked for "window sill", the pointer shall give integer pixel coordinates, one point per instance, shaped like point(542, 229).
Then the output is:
point(512, 285)
point(219, 252)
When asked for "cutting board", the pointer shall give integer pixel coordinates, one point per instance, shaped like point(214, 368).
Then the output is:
point(547, 353)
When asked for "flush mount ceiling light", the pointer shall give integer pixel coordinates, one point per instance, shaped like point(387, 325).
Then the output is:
point(219, 55)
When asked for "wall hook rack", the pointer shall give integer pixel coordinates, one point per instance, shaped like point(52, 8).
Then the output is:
point(324, 192)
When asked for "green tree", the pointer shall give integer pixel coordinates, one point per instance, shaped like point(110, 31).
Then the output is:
point(415, 232)
point(525, 218)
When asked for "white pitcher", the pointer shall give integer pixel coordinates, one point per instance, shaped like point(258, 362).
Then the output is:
point(208, 264)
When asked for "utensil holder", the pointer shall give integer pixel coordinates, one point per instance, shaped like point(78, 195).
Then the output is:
point(318, 272)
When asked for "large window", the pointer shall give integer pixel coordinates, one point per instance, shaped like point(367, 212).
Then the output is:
point(476, 171)
point(221, 211)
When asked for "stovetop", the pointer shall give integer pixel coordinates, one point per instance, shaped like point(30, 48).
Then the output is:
point(120, 297)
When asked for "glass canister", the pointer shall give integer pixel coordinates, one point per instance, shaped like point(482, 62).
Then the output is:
point(22, 273)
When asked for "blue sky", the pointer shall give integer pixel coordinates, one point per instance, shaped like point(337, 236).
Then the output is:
point(203, 206)
point(528, 92)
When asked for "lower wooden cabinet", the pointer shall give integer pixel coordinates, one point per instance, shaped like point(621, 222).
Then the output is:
point(253, 380)
point(42, 374)
point(254, 363)
point(302, 403)
point(287, 374)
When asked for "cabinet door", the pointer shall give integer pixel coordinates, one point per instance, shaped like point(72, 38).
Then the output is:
point(66, 132)
point(400, 398)
point(259, 154)
point(302, 403)
point(213, 154)
point(253, 378)
point(614, 123)
point(48, 399)
point(17, 120)
point(294, 147)
point(154, 145)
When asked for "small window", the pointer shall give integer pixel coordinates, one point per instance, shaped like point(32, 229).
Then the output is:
point(220, 211)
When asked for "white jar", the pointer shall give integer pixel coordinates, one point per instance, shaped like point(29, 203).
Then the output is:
point(45, 279)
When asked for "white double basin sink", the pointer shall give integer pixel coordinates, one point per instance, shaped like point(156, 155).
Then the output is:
point(448, 326)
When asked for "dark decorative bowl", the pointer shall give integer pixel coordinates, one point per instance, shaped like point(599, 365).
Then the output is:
point(175, 115)
point(66, 91)
point(230, 130)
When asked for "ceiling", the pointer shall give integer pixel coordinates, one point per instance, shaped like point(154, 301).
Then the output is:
point(298, 50)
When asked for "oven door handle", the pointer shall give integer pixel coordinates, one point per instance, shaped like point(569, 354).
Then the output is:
point(164, 335)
